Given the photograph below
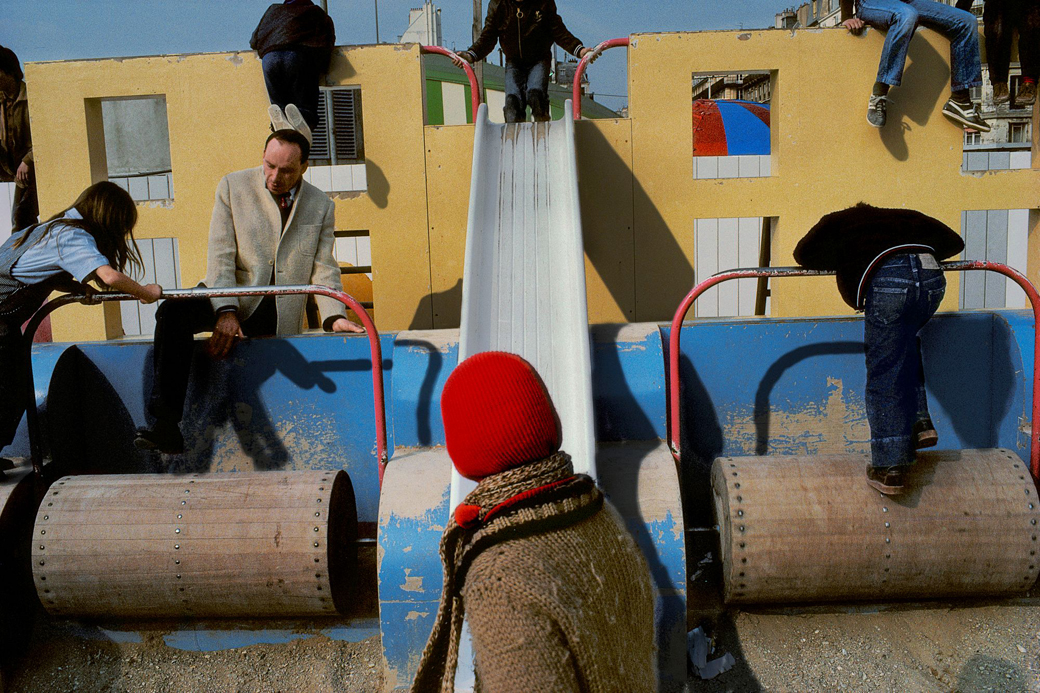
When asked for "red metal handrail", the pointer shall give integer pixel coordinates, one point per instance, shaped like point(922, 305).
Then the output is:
point(584, 63)
point(473, 88)
point(209, 292)
point(674, 422)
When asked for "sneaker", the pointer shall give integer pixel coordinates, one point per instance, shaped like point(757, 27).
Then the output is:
point(924, 434)
point(877, 110)
point(887, 480)
point(1026, 95)
point(162, 436)
point(1001, 93)
point(967, 114)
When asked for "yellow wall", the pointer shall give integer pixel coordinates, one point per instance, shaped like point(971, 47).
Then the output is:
point(639, 199)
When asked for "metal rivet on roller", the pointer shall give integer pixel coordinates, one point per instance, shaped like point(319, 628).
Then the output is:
point(315, 529)
point(315, 544)
point(179, 516)
point(888, 524)
point(47, 517)
point(187, 490)
point(177, 531)
point(184, 502)
point(740, 513)
point(888, 540)
point(178, 576)
point(41, 547)
point(317, 514)
point(43, 562)
point(43, 531)
point(321, 488)
point(176, 546)
point(736, 485)
point(884, 509)
point(177, 561)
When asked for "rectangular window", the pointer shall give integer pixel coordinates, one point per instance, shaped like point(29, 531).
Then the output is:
point(972, 137)
point(731, 125)
point(132, 148)
point(724, 244)
point(996, 235)
point(161, 260)
point(337, 160)
point(1018, 132)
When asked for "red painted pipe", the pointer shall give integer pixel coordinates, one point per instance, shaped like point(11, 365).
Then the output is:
point(674, 422)
point(584, 63)
point(209, 292)
point(474, 90)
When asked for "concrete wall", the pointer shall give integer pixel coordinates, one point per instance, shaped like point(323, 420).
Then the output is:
point(639, 201)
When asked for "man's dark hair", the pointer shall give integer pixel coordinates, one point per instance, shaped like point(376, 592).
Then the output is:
point(9, 63)
point(291, 137)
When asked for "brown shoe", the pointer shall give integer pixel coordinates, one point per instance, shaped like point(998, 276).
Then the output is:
point(1026, 94)
point(887, 480)
point(924, 434)
point(1001, 93)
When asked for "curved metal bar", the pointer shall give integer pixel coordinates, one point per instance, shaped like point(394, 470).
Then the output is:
point(208, 292)
point(473, 88)
point(584, 63)
point(674, 422)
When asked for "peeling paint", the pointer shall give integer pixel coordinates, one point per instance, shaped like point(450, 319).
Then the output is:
point(414, 615)
point(235, 59)
point(412, 583)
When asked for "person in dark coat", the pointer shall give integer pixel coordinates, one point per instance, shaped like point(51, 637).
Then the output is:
point(526, 30)
point(886, 262)
point(295, 40)
point(16, 152)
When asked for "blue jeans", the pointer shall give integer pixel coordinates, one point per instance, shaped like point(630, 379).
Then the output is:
point(902, 297)
point(899, 18)
point(292, 76)
point(526, 85)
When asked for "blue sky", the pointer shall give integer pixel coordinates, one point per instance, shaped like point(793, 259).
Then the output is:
point(69, 29)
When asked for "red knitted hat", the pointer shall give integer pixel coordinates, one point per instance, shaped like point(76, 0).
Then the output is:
point(497, 415)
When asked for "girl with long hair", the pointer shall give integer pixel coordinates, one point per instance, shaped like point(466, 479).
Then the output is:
point(92, 240)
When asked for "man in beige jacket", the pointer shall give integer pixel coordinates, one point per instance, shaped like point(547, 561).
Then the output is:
point(269, 226)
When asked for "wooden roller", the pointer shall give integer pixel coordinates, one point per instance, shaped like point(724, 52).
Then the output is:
point(809, 528)
point(214, 545)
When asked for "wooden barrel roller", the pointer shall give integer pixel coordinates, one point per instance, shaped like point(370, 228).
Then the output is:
point(797, 529)
point(215, 545)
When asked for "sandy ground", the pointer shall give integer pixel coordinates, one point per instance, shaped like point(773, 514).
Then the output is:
point(992, 646)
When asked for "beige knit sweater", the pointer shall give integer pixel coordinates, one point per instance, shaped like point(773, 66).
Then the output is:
point(569, 610)
point(557, 595)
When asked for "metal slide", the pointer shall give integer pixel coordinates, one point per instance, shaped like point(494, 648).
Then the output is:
point(523, 286)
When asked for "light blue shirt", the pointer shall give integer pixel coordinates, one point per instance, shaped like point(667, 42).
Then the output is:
point(63, 248)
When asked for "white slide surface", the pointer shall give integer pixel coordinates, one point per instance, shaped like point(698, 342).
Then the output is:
point(523, 288)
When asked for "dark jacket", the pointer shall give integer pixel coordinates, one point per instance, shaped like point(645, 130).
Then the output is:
point(526, 29)
point(853, 241)
point(15, 139)
point(294, 25)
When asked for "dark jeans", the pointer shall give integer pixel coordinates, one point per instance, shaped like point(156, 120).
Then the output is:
point(1001, 19)
point(526, 85)
point(26, 210)
point(292, 76)
point(14, 379)
point(902, 297)
point(176, 324)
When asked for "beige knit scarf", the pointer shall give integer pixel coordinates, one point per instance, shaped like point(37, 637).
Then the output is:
point(529, 500)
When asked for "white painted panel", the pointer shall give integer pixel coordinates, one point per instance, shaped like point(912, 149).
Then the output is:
point(360, 177)
point(169, 180)
point(321, 177)
point(748, 243)
point(765, 166)
point(139, 188)
point(158, 187)
point(6, 205)
point(342, 178)
point(130, 318)
point(728, 255)
point(364, 251)
point(707, 167)
point(747, 166)
point(345, 251)
point(121, 182)
point(1021, 159)
point(454, 99)
point(1017, 254)
point(728, 167)
point(147, 312)
point(307, 174)
point(706, 263)
point(496, 101)
point(165, 263)
point(996, 251)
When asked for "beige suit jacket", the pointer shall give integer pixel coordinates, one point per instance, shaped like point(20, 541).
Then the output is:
point(245, 245)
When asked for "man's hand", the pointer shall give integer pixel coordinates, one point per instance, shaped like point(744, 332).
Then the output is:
point(586, 51)
point(22, 174)
point(344, 325)
point(461, 58)
point(150, 293)
point(855, 25)
point(226, 332)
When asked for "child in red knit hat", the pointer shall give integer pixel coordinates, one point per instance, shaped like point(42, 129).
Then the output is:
point(556, 593)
